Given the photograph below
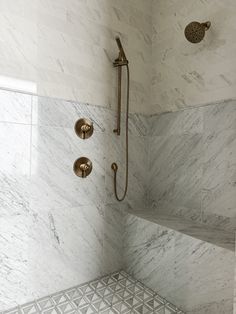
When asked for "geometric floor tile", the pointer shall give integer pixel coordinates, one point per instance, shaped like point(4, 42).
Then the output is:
point(117, 293)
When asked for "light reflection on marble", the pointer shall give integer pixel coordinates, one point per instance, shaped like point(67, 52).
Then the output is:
point(15, 107)
point(67, 48)
point(15, 168)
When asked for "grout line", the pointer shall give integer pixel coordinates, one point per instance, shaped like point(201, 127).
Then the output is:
point(17, 123)
point(208, 104)
point(197, 106)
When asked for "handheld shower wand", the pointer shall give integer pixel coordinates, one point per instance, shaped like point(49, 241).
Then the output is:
point(120, 62)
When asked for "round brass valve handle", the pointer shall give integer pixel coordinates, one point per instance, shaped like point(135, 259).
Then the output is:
point(84, 128)
point(83, 167)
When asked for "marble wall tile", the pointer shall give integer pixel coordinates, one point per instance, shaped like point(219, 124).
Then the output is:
point(16, 245)
point(77, 235)
point(59, 113)
point(218, 196)
point(205, 273)
point(191, 75)
point(15, 168)
point(57, 229)
point(66, 48)
point(175, 170)
point(139, 124)
point(113, 237)
point(42, 254)
point(15, 107)
point(145, 245)
point(234, 311)
point(219, 173)
point(220, 116)
point(49, 198)
point(191, 273)
point(224, 306)
point(54, 151)
point(192, 164)
point(181, 122)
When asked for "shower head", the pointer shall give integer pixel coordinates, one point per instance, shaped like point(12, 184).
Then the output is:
point(122, 53)
point(195, 31)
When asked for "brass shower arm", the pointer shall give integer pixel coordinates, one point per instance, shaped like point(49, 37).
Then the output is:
point(207, 25)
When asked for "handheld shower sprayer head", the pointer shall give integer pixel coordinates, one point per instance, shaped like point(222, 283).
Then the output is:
point(121, 60)
point(120, 47)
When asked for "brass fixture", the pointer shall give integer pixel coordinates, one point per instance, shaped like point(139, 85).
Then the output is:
point(83, 167)
point(119, 63)
point(84, 128)
point(195, 31)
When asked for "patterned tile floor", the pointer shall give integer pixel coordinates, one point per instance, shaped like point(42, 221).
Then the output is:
point(116, 293)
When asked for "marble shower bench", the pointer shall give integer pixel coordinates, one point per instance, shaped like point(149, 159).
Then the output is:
point(204, 232)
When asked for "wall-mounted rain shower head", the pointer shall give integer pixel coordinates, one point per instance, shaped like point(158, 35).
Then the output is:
point(195, 31)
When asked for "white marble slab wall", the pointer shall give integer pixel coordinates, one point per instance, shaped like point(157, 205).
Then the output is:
point(186, 74)
point(194, 275)
point(192, 166)
point(58, 230)
point(65, 49)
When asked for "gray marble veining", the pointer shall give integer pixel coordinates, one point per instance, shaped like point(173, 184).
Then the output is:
point(57, 230)
point(15, 168)
point(15, 107)
point(181, 164)
point(192, 164)
point(194, 229)
point(186, 75)
point(65, 49)
point(191, 272)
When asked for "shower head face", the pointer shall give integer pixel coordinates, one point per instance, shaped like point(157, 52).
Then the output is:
point(195, 31)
